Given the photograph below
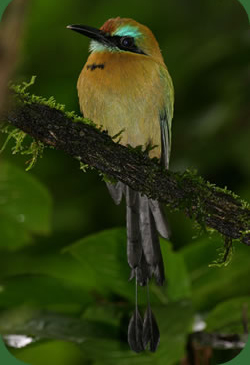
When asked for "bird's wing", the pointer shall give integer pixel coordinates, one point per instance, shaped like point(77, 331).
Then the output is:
point(166, 115)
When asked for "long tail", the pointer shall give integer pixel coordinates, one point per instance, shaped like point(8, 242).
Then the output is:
point(145, 219)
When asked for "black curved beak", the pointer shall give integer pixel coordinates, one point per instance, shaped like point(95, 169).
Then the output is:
point(104, 38)
point(90, 32)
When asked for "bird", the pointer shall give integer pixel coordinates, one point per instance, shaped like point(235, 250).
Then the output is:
point(126, 90)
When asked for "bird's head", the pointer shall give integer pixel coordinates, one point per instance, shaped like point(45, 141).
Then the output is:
point(121, 35)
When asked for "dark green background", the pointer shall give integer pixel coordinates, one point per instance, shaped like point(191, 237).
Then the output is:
point(206, 47)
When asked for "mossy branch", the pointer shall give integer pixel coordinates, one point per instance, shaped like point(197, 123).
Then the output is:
point(210, 206)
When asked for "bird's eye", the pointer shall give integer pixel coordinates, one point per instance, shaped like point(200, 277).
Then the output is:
point(127, 42)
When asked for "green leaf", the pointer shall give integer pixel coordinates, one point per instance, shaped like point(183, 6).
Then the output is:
point(104, 257)
point(51, 352)
point(24, 199)
point(105, 312)
point(113, 352)
point(40, 291)
point(55, 265)
point(211, 285)
point(178, 282)
point(227, 317)
point(99, 341)
point(13, 234)
point(38, 324)
point(175, 322)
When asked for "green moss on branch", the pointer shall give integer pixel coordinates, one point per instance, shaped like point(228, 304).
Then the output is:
point(47, 122)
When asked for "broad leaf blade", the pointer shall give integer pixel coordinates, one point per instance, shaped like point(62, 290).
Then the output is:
point(230, 317)
point(24, 199)
point(211, 285)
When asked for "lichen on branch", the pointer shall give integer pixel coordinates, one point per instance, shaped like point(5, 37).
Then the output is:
point(48, 123)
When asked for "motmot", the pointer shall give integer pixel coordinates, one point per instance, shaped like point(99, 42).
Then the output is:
point(125, 89)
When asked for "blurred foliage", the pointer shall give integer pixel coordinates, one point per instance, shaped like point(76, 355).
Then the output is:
point(63, 269)
point(19, 219)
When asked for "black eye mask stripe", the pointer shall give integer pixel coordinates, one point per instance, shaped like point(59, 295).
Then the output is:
point(116, 42)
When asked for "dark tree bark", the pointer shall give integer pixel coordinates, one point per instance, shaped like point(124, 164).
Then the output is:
point(210, 206)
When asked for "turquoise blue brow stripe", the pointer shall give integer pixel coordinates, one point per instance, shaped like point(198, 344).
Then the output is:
point(128, 31)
